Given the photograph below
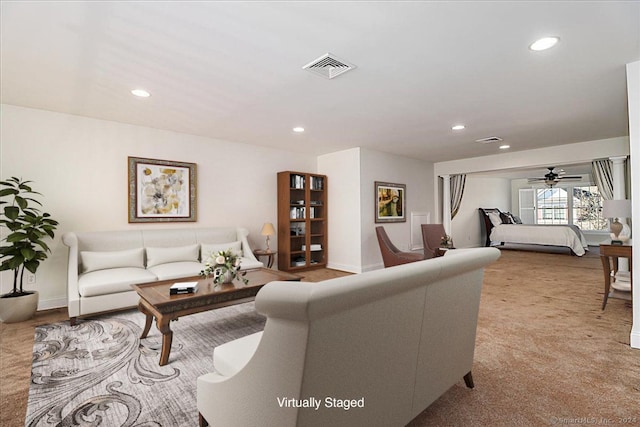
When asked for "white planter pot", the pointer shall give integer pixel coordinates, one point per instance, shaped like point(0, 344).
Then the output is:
point(17, 309)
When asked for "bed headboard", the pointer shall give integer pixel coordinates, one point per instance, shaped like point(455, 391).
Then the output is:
point(486, 223)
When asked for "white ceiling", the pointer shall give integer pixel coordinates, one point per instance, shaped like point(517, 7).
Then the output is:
point(233, 70)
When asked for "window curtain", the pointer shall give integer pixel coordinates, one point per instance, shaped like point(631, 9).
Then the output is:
point(602, 172)
point(457, 190)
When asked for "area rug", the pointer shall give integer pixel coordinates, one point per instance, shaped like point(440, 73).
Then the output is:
point(100, 373)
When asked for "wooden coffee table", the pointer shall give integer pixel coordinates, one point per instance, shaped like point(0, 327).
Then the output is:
point(155, 300)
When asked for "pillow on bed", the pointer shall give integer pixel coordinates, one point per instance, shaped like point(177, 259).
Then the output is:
point(495, 218)
point(506, 218)
point(516, 219)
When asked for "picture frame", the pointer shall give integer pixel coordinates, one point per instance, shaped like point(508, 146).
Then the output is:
point(161, 190)
point(390, 203)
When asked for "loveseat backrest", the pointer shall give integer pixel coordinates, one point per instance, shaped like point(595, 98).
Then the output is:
point(398, 337)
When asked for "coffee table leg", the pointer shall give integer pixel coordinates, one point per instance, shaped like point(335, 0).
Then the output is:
point(167, 337)
point(148, 320)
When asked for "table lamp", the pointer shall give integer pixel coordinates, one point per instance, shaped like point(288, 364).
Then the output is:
point(616, 209)
point(268, 230)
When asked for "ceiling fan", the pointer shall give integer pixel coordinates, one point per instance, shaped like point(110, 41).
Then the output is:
point(551, 178)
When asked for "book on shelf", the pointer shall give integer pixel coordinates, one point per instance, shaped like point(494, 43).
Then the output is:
point(183, 288)
point(317, 183)
point(297, 181)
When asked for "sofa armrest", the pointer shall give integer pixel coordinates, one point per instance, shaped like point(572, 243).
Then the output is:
point(247, 252)
point(70, 239)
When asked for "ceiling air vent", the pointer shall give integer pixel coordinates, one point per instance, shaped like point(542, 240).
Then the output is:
point(488, 139)
point(328, 66)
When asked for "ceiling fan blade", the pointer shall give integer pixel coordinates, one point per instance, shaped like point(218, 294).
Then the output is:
point(570, 177)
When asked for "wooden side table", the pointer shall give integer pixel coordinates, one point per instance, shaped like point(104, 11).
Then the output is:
point(609, 253)
point(270, 254)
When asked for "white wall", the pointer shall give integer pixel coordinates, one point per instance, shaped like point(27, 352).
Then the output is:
point(80, 166)
point(580, 152)
point(633, 93)
point(344, 208)
point(417, 175)
point(479, 192)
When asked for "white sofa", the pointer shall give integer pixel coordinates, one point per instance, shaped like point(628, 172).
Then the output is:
point(103, 265)
point(386, 343)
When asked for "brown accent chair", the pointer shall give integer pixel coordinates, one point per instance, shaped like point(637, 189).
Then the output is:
point(390, 254)
point(432, 235)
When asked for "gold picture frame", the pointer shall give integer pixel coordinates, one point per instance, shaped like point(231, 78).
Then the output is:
point(161, 190)
point(390, 202)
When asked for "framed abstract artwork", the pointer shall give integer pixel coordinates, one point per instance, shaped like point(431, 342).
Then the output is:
point(390, 202)
point(161, 190)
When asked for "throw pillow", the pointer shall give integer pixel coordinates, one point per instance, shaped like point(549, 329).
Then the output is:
point(211, 248)
point(495, 218)
point(506, 218)
point(92, 261)
point(156, 256)
point(516, 219)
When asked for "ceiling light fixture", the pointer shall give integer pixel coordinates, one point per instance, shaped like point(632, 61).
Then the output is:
point(298, 129)
point(504, 147)
point(141, 93)
point(544, 43)
point(457, 127)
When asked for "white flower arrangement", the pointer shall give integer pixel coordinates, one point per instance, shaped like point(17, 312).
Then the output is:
point(222, 262)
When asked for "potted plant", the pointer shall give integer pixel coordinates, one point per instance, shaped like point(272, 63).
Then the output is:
point(23, 247)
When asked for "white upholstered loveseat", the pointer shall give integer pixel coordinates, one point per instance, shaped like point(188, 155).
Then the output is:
point(103, 265)
point(372, 349)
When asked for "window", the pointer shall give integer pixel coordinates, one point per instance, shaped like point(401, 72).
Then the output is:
point(583, 208)
point(552, 206)
point(587, 208)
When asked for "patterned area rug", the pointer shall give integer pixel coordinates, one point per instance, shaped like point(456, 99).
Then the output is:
point(100, 372)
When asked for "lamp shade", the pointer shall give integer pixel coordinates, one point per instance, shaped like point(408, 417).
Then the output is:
point(616, 208)
point(267, 229)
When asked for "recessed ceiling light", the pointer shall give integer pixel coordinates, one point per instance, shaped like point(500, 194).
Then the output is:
point(298, 129)
point(457, 127)
point(504, 147)
point(141, 93)
point(544, 43)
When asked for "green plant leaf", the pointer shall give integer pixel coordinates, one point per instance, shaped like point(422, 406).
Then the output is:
point(22, 203)
point(16, 237)
point(28, 253)
point(8, 191)
point(11, 212)
point(32, 265)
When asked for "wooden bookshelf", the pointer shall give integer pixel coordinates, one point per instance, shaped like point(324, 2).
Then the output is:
point(302, 221)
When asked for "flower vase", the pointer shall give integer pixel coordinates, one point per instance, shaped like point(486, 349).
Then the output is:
point(226, 276)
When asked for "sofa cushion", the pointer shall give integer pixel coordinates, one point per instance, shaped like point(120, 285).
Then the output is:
point(92, 261)
point(157, 256)
point(230, 358)
point(175, 270)
point(248, 264)
point(213, 248)
point(113, 280)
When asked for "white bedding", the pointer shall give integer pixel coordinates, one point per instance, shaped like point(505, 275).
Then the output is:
point(555, 235)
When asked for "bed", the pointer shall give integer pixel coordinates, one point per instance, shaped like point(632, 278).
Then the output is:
point(502, 227)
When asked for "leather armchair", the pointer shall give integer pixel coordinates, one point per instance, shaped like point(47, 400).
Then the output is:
point(390, 254)
point(432, 235)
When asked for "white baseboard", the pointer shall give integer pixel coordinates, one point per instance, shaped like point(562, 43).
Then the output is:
point(371, 267)
point(51, 303)
point(635, 339)
point(343, 267)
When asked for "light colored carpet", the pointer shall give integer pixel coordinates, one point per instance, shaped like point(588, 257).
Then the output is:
point(546, 354)
point(100, 373)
